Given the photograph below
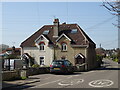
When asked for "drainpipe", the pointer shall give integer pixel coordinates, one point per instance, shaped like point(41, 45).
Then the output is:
point(54, 52)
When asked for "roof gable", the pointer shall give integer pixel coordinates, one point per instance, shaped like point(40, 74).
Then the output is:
point(40, 38)
point(64, 36)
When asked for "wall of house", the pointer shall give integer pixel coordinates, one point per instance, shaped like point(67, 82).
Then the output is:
point(91, 58)
point(36, 53)
point(70, 53)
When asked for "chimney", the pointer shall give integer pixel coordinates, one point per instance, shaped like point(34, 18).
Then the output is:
point(13, 50)
point(56, 28)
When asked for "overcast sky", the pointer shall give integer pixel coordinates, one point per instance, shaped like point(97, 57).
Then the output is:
point(22, 19)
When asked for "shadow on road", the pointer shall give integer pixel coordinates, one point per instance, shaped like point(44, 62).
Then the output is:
point(108, 67)
point(9, 86)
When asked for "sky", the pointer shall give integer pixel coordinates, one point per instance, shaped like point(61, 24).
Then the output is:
point(21, 19)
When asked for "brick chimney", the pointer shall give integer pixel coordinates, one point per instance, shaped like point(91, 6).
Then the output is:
point(56, 28)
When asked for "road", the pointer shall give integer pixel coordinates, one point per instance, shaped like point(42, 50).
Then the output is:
point(106, 77)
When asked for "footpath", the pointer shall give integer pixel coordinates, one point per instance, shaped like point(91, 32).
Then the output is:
point(31, 79)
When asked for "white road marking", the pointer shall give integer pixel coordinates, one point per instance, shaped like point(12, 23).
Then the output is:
point(101, 83)
point(70, 82)
point(48, 83)
point(61, 84)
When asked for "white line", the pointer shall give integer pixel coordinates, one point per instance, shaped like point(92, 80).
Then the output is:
point(49, 83)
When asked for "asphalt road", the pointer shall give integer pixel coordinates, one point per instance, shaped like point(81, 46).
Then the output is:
point(106, 77)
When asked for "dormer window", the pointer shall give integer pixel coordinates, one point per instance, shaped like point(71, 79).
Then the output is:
point(46, 32)
point(64, 47)
point(42, 46)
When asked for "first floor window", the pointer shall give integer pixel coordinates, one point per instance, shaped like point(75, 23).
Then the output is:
point(64, 47)
point(42, 46)
point(41, 60)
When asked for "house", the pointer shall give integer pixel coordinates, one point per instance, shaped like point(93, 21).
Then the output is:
point(61, 41)
point(13, 50)
point(9, 56)
point(100, 51)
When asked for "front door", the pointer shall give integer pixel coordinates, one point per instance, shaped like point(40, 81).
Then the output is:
point(41, 60)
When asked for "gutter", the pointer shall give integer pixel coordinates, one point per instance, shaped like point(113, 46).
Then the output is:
point(82, 46)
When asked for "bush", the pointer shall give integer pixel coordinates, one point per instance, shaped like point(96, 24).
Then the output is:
point(114, 58)
point(35, 65)
point(23, 78)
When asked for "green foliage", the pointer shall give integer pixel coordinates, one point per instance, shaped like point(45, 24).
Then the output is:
point(35, 65)
point(114, 58)
point(99, 57)
point(23, 78)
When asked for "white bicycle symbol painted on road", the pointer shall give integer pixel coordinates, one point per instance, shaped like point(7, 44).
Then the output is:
point(101, 83)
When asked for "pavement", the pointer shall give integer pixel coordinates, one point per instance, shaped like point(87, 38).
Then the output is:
point(29, 80)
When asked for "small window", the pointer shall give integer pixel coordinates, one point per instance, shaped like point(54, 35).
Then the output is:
point(64, 47)
point(42, 46)
point(74, 31)
point(46, 32)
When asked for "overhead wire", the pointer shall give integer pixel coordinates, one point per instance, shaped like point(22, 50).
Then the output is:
point(101, 23)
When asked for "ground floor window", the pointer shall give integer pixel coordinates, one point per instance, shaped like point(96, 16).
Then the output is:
point(42, 60)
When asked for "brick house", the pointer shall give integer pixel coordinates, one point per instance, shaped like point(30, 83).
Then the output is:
point(61, 41)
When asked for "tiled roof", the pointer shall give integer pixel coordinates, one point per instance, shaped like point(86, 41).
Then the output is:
point(78, 38)
point(10, 49)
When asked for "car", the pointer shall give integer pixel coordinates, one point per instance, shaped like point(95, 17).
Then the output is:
point(61, 66)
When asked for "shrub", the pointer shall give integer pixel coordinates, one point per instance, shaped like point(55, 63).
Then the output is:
point(23, 78)
point(35, 65)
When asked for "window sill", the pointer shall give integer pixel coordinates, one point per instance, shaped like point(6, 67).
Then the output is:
point(42, 50)
point(63, 51)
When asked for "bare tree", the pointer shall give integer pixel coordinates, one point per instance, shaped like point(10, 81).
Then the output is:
point(113, 6)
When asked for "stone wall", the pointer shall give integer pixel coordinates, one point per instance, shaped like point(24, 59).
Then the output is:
point(10, 75)
point(40, 70)
point(17, 74)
